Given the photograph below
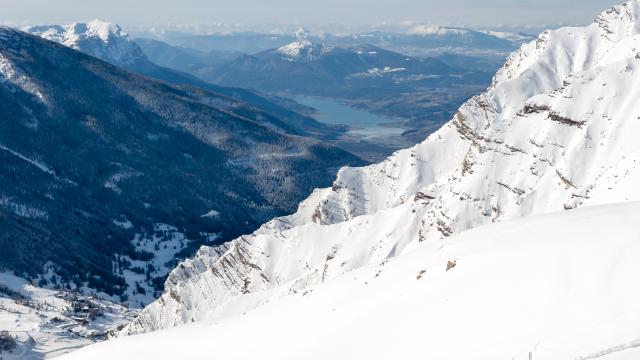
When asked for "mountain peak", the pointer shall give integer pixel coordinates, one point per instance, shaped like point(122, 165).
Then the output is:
point(104, 40)
point(621, 20)
point(76, 32)
point(104, 30)
point(301, 50)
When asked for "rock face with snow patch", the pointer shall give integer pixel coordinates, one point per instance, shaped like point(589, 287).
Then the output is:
point(556, 130)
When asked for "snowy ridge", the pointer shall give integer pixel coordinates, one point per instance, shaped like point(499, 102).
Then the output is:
point(100, 39)
point(555, 131)
point(557, 286)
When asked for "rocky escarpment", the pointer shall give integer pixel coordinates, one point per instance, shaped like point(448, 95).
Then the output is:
point(556, 130)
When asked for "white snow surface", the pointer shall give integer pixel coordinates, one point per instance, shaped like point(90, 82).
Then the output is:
point(556, 130)
point(562, 286)
point(97, 38)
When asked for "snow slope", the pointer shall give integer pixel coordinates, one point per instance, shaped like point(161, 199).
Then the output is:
point(556, 130)
point(100, 39)
point(561, 286)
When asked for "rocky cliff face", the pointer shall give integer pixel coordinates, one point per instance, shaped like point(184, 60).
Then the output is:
point(556, 130)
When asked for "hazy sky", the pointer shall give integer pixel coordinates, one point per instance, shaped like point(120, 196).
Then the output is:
point(358, 12)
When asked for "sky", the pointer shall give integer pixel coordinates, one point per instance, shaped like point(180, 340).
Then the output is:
point(480, 13)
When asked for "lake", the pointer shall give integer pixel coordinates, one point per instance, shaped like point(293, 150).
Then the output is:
point(360, 122)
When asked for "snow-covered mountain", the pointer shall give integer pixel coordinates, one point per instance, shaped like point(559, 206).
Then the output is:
point(560, 286)
point(100, 39)
point(422, 40)
point(412, 39)
point(555, 131)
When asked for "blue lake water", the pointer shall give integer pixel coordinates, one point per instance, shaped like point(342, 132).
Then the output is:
point(360, 122)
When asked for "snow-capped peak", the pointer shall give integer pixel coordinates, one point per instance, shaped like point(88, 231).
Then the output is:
point(72, 34)
point(614, 36)
point(621, 20)
point(104, 40)
point(300, 50)
point(104, 30)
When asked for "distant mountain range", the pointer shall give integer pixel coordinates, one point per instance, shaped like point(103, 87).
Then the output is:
point(349, 71)
point(110, 43)
point(417, 41)
point(178, 57)
point(109, 177)
point(426, 41)
point(421, 75)
point(423, 90)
